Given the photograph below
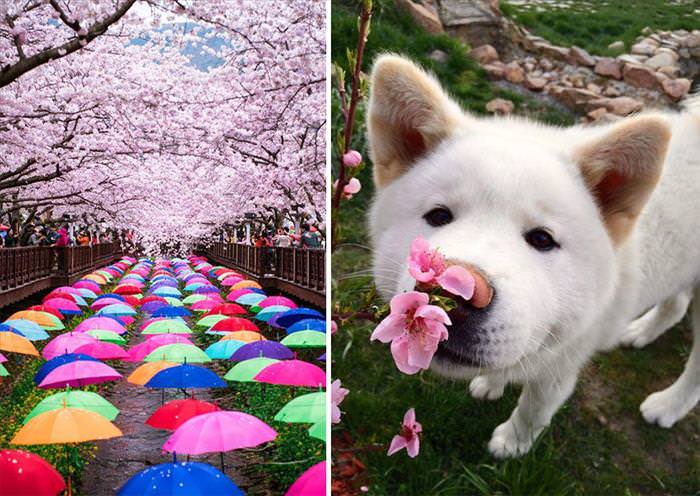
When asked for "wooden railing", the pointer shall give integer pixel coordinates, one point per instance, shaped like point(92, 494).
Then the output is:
point(27, 270)
point(301, 272)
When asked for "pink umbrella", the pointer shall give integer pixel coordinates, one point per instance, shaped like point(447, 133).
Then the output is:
point(138, 352)
point(103, 302)
point(62, 304)
point(205, 305)
point(3, 358)
point(102, 351)
point(310, 483)
point(292, 373)
point(78, 374)
point(231, 280)
point(66, 343)
point(87, 284)
point(277, 300)
point(233, 295)
point(104, 323)
point(218, 432)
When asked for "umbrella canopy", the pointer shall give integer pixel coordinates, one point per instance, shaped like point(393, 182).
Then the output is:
point(246, 284)
point(144, 373)
point(204, 305)
point(23, 473)
point(266, 314)
point(171, 312)
point(78, 374)
point(306, 409)
point(293, 373)
point(250, 298)
point(227, 309)
point(257, 349)
point(232, 324)
point(167, 326)
point(117, 310)
point(105, 302)
point(66, 343)
point(64, 306)
point(318, 430)
point(104, 323)
point(180, 479)
point(305, 339)
point(57, 362)
point(151, 306)
point(166, 291)
point(184, 377)
point(84, 400)
point(138, 352)
point(65, 425)
point(178, 352)
point(307, 325)
point(175, 413)
point(47, 309)
point(218, 432)
point(210, 320)
point(277, 300)
point(245, 336)
point(102, 350)
point(310, 483)
point(44, 319)
point(3, 358)
point(222, 350)
point(106, 336)
point(3, 371)
point(246, 370)
point(296, 314)
point(14, 343)
point(194, 298)
point(31, 334)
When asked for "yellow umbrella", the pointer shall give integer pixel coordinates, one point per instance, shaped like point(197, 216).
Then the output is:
point(246, 284)
point(97, 278)
point(143, 373)
point(245, 336)
point(14, 343)
point(44, 319)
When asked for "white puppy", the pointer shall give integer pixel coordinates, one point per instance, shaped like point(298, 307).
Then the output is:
point(578, 231)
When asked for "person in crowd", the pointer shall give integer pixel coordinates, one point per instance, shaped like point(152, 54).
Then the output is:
point(34, 237)
point(282, 238)
point(62, 236)
point(310, 239)
point(82, 239)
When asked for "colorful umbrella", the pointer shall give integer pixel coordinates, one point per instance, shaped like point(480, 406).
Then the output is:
point(210, 320)
point(31, 334)
point(277, 300)
point(180, 479)
point(257, 349)
point(138, 352)
point(184, 377)
point(66, 343)
point(310, 483)
point(229, 309)
point(178, 352)
point(64, 306)
point(57, 362)
point(293, 373)
point(44, 319)
point(117, 310)
point(172, 312)
point(167, 326)
point(305, 409)
point(232, 324)
point(307, 325)
point(245, 336)
point(267, 313)
point(174, 413)
point(144, 373)
point(102, 350)
point(84, 400)
point(246, 370)
point(78, 374)
point(293, 316)
point(222, 350)
point(318, 430)
point(25, 473)
point(305, 339)
point(104, 323)
point(14, 343)
point(107, 336)
point(65, 425)
point(250, 299)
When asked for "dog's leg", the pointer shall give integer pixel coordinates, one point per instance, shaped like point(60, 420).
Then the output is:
point(539, 401)
point(656, 321)
point(673, 403)
point(487, 387)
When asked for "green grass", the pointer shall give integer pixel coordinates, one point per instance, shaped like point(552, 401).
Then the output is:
point(594, 24)
point(598, 443)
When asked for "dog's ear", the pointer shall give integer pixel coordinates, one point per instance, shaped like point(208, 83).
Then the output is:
point(409, 114)
point(622, 168)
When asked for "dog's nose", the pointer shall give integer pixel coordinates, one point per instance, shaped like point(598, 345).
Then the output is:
point(483, 292)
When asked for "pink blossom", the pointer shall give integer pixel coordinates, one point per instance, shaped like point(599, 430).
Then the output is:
point(414, 330)
point(334, 327)
point(458, 281)
point(352, 187)
point(352, 158)
point(424, 263)
point(338, 394)
point(408, 437)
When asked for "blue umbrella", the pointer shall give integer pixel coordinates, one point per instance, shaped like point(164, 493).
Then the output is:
point(180, 479)
point(257, 349)
point(110, 295)
point(152, 306)
point(223, 349)
point(57, 362)
point(31, 335)
point(307, 325)
point(185, 376)
point(171, 312)
point(268, 312)
point(166, 291)
point(250, 299)
point(293, 316)
point(116, 310)
point(27, 328)
point(86, 293)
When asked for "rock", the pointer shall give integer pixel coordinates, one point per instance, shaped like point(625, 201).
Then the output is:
point(661, 59)
point(484, 54)
point(611, 91)
point(500, 106)
point(529, 66)
point(632, 59)
point(495, 70)
point(661, 77)
point(596, 114)
point(691, 41)
point(643, 48)
point(608, 67)
point(671, 71)
point(621, 105)
point(639, 76)
point(425, 17)
point(477, 21)
point(647, 31)
point(552, 51)
point(439, 56)
point(581, 56)
point(676, 88)
point(594, 88)
point(617, 45)
point(534, 83)
point(546, 64)
point(573, 98)
point(694, 52)
point(514, 73)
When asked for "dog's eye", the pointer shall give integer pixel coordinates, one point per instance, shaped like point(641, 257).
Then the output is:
point(439, 216)
point(540, 239)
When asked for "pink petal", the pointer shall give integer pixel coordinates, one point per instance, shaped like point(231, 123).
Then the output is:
point(419, 246)
point(433, 313)
point(335, 414)
point(389, 329)
point(409, 418)
point(458, 281)
point(403, 302)
point(353, 186)
point(399, 350)
point(397, 443)
point(413, 447)
point(420, 354)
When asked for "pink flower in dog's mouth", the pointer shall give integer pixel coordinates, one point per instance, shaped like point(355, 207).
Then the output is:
point(414, 328)
point(428, 267)
point(408, 437)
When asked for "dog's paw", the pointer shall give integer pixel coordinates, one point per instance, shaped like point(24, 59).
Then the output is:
point(483, 388)
point(639, 333)
point(505, 442)
point(667, 407)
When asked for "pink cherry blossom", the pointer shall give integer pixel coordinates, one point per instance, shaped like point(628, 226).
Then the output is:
point(352, 158)
point(408, 437)
point(425, 263)
point(338, 394)
point(352, 187)
point(334, 327)
point(414, 328)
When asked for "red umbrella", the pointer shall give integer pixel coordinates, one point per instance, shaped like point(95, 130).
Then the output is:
point(45, 308)
point(102, 351)
point(233, 324)
point(174, 413)
point(226, 309)
point(22, 473)
point(127, 289)
point(153, 298)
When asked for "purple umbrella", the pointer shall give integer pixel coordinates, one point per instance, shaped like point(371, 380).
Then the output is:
point(78, 374)
point(257, 349)
point(152, 306)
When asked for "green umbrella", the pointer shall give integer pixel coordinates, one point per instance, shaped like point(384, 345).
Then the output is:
point(3, 371)
point(167, 326)
point(84, 400)
point(247, 369)
point(305, 339)
point(107, 336)
point(178, 352)
point(318, 430)
point(210, 320)
point(174, 302)
point(194, 299)
point(306, 409)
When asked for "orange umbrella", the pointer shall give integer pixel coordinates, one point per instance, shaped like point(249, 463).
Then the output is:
point(245, 336)
point(14, 343)
point(44, 319)
point(246, 284)
point(142, 374)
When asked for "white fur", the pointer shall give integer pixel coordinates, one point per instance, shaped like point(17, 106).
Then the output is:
point(554, 310)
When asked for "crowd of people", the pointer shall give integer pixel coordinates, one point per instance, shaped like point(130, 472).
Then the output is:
point(307, 236)
point(45, 235)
